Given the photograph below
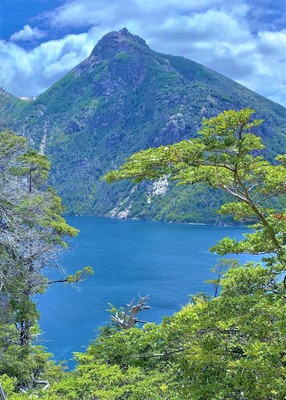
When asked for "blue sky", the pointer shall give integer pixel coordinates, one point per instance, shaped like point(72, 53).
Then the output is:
point(41, 40)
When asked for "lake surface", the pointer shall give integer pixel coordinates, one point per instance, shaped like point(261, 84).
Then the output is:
point(166, 261)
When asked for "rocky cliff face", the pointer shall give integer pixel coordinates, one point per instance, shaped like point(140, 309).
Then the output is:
point(125, 97)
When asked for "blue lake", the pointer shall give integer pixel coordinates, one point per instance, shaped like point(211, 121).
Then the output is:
point(168, 262)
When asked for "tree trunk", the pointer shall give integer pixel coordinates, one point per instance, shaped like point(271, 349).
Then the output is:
point(24, 332)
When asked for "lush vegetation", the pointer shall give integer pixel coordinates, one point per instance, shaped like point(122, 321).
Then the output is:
point(230, 346)
point(32, 232)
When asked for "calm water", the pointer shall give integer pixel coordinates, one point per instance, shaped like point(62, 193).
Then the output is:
point(166, 261)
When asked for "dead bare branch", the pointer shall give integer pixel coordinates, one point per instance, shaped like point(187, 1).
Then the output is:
point(128, 318)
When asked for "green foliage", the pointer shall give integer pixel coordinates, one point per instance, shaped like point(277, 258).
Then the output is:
point(79, 275)
point(32, 232)
point(96, 380)
point(33, 165)
point(8, 384)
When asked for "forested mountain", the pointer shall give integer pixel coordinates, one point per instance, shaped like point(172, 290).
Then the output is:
point(123, 98)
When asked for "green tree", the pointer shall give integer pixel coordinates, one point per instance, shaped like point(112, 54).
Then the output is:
point(231, 347)
point(32, 232)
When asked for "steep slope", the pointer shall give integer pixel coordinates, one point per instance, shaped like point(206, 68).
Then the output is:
point(125, 97)
point(9, 105)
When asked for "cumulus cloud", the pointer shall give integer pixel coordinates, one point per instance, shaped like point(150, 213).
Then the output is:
point(86, 13)
point(27, 34)
point(215, 33)
point(269, 64)
point(80, 13)
point(46, 63)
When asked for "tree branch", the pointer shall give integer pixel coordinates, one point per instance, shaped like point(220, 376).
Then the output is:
point(46, 383)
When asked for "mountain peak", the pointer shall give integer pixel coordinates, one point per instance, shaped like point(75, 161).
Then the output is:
point(115, 42)
point(125, 32)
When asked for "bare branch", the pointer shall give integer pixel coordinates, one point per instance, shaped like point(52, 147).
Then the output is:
point(128, 318)
point(46, 383)
point(2, 394)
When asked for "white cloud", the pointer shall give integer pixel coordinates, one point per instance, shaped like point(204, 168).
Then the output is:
point(80, 13)
point(46, 63)
point(86, 13)
point(269, 64)
point(27, 34)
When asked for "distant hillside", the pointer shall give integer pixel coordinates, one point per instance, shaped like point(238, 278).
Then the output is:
point(125, 97)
